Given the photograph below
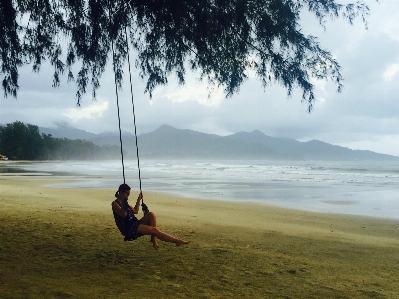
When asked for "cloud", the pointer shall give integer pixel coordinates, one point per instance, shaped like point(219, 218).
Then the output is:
point(191, 91)
point(391, 71)
point(96, 109)
point(390, 25)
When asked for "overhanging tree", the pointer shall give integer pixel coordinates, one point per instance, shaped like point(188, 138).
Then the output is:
point(222, 39)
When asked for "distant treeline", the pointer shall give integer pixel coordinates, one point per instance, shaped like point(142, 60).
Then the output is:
point(24, 142)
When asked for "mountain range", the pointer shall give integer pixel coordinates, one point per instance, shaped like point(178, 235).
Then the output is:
point(169, 142)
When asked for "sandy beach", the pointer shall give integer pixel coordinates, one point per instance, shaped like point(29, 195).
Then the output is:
point(63, 243)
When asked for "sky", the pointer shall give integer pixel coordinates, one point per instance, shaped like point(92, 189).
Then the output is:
point(365, 115)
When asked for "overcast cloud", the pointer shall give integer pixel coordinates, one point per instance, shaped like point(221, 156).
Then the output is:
point(364, 116)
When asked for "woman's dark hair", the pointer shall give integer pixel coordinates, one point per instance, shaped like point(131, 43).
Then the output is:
point(122, 188)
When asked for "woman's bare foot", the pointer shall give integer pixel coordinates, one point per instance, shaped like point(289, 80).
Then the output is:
point(154, 243)
point(181, 242)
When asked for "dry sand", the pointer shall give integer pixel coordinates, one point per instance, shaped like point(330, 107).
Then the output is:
point(63, 243)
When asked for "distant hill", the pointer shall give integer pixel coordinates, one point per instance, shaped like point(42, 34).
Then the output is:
point(63, 131)
point(169, 142)
point(311, 150)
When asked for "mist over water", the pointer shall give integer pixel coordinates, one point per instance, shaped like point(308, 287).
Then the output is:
point(357, 188)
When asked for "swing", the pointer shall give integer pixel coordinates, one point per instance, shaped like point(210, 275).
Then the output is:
point(143, 205)
point(154, 233)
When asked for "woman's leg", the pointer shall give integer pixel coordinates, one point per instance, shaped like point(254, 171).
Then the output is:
point(153, 231)
point(150, 220)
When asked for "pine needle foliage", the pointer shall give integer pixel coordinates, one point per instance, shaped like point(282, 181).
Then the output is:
point(223, 40)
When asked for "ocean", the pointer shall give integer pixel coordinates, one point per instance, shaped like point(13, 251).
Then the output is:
point(355, 188)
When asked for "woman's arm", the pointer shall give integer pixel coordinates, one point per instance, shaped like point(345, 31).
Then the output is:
point(118, 210)
point(136, 208)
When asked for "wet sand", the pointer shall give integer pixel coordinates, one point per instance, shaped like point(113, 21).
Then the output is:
point(63, 243)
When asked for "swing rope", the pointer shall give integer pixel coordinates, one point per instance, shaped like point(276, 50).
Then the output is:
point(117, 104)
point(134, 115)
point(143, 205)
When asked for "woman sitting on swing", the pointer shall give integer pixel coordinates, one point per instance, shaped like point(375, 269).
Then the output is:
point(130, 226)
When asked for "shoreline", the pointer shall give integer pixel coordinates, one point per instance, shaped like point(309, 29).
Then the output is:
point(62, 181)
point(194, 205)
point(157, 200)
point(63, 243)
point(350, 197)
